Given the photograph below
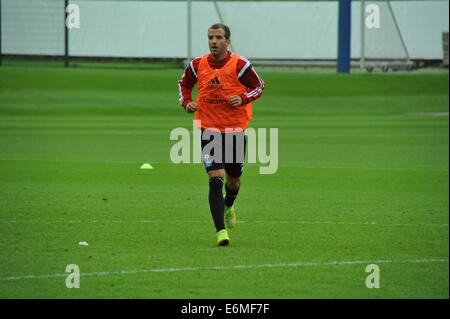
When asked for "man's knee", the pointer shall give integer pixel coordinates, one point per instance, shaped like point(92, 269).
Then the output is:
point(216, 173)
point(216, 178)
point(233, 182)
point(216, 183)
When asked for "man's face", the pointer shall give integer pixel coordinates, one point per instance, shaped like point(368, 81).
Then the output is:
point(218, 45)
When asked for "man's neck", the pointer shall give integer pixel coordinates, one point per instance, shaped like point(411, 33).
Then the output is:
point(219, 58)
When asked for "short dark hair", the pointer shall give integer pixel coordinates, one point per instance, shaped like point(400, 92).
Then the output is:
point(223, 27)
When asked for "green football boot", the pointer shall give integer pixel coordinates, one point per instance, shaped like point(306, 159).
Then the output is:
point(230, 217)
point(222, 237)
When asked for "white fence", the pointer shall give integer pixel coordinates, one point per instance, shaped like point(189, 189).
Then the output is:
point(263, 30)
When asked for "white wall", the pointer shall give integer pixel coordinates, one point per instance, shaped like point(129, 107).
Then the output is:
point(32, 27)
point(296, 30)
point(130, 28)
point(421, 24)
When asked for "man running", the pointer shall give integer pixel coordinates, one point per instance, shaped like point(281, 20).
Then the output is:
point(227, 85)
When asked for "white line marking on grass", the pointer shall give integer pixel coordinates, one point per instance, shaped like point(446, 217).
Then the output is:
point(430, 113)
point(157, 221)
point(72, 160)
point(280, 265)
point(368, 167)
point(339, 223)
point(282, 164)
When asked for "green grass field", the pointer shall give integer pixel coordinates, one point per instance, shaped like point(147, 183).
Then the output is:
point(362, 179)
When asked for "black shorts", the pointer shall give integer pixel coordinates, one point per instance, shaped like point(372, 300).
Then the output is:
point(230, 145)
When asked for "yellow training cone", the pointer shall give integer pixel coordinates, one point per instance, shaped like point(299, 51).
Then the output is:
point(146, 166)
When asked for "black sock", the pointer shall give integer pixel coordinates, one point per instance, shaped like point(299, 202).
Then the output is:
point(216, 201)
point(231, 195)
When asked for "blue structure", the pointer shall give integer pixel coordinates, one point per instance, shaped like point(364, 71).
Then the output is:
point(344, 36)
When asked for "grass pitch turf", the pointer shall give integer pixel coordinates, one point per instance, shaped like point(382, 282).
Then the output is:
point(362, 178)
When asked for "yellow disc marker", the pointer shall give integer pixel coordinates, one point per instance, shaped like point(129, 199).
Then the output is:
point(146, 166)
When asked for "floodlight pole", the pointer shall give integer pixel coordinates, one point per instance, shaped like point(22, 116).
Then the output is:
point(0, 32)
point(189, 32)
point(363, 34)
point(66, 35)
point(221, 19)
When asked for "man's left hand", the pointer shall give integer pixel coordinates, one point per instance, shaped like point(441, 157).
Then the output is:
point(235, 100)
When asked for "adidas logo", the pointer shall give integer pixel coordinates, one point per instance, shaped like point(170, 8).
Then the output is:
point(214, 84)
point(214, 81)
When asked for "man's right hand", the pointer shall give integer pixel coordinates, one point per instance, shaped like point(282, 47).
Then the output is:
point(191, 107)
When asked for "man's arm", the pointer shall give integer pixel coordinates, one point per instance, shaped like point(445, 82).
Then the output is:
point(248, 77)
point(186, 84)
